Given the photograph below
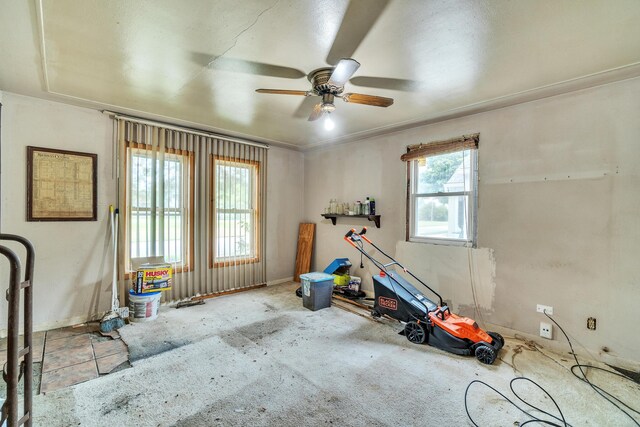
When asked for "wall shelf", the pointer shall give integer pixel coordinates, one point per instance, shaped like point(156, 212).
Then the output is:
point(334, 217)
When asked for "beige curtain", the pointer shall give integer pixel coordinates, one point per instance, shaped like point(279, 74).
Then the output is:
point(192, 200)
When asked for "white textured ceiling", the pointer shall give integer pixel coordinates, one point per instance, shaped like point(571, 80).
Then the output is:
point(198, 62)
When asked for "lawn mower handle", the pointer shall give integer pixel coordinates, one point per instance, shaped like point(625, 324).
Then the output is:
point(349, 237)
point(353, 231)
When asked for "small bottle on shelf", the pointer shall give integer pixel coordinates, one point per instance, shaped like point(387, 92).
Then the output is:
point(372, 206)
point(365, 206)
point(333, 206)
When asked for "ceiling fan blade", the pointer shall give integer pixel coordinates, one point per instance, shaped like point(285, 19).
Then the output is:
point(388, 83)
point(343, 71)
point(302, 112)
point(359, 98)
point(283, 92)
point(315, 113)
point(360, 16)
point(247, 67)
point(257, 68)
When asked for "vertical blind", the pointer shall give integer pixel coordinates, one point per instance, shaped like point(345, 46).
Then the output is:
point(194, 201)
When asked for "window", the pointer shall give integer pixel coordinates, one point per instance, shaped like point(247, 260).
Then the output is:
point(160, 203)
point(194, 199)
point(442, 199)
point(235, 212)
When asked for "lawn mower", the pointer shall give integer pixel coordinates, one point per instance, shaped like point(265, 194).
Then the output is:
point(425, 321)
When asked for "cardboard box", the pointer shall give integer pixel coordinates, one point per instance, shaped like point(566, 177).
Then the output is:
point(153, 278)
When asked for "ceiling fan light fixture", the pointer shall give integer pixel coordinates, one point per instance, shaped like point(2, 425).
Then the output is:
point(328, 83)
point(329, 125)
point(328, 108)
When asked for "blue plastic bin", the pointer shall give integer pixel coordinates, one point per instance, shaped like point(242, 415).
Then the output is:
point(338, 263)
point(316, 290)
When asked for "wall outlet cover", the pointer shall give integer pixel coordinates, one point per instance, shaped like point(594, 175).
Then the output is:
point(544, 308)
point(546, 330)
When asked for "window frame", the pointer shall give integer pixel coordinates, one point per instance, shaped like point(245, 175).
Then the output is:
point(188, 263)
point(256, 196)
point(472, 215)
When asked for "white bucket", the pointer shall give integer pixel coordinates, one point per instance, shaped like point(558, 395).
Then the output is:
point(143, 307)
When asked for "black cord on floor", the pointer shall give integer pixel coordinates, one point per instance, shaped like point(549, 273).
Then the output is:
point(606, 395)
point(533, 418)
point(599, 388)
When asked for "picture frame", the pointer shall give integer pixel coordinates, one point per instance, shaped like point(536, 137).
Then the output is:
point(61, 185)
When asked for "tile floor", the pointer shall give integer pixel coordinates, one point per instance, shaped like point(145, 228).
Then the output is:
point(74, 354)
point(38, 346)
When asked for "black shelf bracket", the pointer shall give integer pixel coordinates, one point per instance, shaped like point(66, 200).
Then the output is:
point(334, 217)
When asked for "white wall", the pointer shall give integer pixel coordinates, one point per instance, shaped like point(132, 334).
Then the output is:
point(285, 190)
point(73, 274)
point(72, 267)
point(558, 214)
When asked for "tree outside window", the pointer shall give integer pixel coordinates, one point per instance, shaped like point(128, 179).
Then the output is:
point(442, 198)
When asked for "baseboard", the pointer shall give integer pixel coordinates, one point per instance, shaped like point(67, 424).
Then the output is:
point(279, 281)
point(228, 292)
point(71, 321)
point(562, 347)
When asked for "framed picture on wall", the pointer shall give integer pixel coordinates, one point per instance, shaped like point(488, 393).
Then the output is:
point(61, 185)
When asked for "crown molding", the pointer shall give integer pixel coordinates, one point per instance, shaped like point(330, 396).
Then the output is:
point(573, 85)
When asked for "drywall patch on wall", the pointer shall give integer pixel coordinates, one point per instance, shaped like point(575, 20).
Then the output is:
point(463, 276)
point(568, 241)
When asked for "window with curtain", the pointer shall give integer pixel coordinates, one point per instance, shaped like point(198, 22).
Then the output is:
point(192, 199)
point(442, 185)
point(159, 205)
point(236, 201)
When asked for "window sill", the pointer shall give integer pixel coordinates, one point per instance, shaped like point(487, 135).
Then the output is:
point(242, 261)
point(442, 242)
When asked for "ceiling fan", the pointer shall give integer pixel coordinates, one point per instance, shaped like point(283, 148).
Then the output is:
point(328, 82)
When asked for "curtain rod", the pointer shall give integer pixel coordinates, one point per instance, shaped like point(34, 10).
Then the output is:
point(183, 129)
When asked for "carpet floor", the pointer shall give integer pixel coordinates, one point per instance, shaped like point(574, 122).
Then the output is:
point(259, 358)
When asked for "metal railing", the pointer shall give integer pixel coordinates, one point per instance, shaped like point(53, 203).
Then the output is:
point(14, 369)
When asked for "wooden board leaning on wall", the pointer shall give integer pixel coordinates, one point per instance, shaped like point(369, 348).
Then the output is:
point(305, 246)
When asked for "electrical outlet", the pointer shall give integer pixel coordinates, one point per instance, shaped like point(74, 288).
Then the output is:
point(546, 330)
point(591, 323)
point(544, 308)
